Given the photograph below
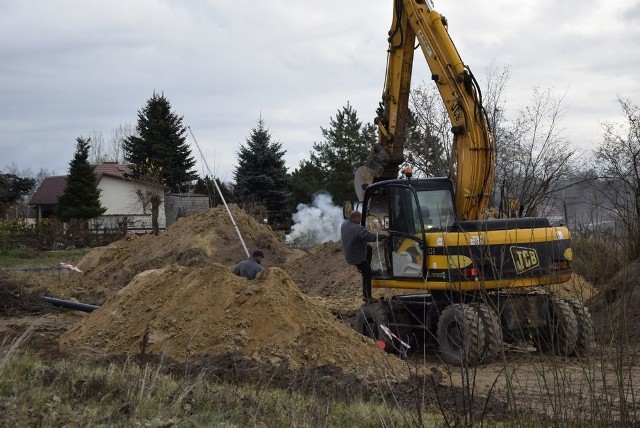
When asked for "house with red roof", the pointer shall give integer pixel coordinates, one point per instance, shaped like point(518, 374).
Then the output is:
point(123, 197)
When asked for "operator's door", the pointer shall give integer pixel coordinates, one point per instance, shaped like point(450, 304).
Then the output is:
point(406, 233)
point(376, 219)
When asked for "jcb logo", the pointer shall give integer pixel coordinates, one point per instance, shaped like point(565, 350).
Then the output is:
point(524, 258)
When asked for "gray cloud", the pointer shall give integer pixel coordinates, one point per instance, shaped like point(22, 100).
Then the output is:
point(70, 67)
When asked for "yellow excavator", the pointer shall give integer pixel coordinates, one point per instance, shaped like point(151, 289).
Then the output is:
point(470, 283)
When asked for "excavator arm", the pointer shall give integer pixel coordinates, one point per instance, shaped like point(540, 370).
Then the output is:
point(473, 156)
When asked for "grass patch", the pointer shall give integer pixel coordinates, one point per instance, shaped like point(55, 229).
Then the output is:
point(34, 392)
point(36, 259)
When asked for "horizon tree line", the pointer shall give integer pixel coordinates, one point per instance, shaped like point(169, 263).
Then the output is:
point(536, 167)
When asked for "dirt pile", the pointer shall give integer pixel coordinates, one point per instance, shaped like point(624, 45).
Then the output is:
point(615, 310)
point(210, 237)
point(577, 287)
point(324, 272)
point(186, 312)
point(197, 240)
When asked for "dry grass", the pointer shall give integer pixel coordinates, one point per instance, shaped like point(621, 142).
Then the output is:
point(36, 392)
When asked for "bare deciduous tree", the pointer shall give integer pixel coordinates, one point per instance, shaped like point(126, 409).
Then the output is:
point(429, 138)
point(428, 148)
point(618, 163)
point(115, 152)
point(533, 157)
point(494, 102)
point(150, 192)
point(97, 154)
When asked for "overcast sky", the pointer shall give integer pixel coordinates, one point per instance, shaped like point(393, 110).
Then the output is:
point(69, 68)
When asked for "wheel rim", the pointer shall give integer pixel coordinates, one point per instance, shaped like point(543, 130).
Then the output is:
point(455, 333)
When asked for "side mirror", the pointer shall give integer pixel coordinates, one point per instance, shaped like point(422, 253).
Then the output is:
point(347, 209)
point(350, 206)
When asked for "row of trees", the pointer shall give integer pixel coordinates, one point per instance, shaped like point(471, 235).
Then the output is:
point(538, 172)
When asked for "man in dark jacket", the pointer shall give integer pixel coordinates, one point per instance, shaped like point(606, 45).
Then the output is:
point(249, 268)
point(357, 252)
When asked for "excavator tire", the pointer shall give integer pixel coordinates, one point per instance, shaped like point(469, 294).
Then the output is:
point(461, 335)
point(560, 335)
point(371, 316)
point(585, 338)
point(493, 344)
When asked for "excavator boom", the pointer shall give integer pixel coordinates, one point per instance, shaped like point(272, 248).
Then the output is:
point(473, 145)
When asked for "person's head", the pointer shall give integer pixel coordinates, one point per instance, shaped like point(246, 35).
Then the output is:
point(355, 216)
point(257, 255)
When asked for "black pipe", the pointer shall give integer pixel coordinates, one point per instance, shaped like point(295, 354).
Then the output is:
point(84, 307)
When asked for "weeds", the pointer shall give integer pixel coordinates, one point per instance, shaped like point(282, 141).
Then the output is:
point(34, 392)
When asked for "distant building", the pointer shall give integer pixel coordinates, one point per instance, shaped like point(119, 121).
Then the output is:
point(119, 194)
point(46, 197)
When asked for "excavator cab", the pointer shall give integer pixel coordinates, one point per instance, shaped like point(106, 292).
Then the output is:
point(406, 210)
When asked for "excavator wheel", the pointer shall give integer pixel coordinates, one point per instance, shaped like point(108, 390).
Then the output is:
point(585, 337)
point(560, 335)
point(371, 316)
point(493, 344)
point(461, 335)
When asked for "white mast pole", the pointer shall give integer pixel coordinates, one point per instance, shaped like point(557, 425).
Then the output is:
point(233, 221)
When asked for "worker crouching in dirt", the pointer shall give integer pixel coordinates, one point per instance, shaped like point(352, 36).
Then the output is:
point(251, 267)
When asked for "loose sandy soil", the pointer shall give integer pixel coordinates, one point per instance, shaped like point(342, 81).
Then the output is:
point(174, 296)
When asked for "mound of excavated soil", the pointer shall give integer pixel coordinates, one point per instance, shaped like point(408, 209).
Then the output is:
point(197, 240)
point(615, 310)
point(189, 312)
point(577, 287)
point(324, 272)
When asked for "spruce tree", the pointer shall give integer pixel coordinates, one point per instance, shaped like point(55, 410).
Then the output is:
point(261, 175)
point(346, 147)
point(161, 140)
point(81, 197)
point(306, 181)
point(206, 186)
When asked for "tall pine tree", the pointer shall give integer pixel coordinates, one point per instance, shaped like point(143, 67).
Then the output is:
point(161, 141)
point(81, 197)
point(261, 175)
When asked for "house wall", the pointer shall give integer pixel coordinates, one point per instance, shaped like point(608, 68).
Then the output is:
point(120, 199)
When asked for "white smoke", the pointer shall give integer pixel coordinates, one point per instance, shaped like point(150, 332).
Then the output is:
point(317, 223)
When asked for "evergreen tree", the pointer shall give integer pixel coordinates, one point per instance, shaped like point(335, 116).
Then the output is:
point(161, 140)
point(206, 186)
point(81, 197)
point(12, 190)
point(306, 181)
point(261, 175)
point(346, 147)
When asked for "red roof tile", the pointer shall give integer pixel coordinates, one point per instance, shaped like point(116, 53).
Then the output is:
point(112, 169)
